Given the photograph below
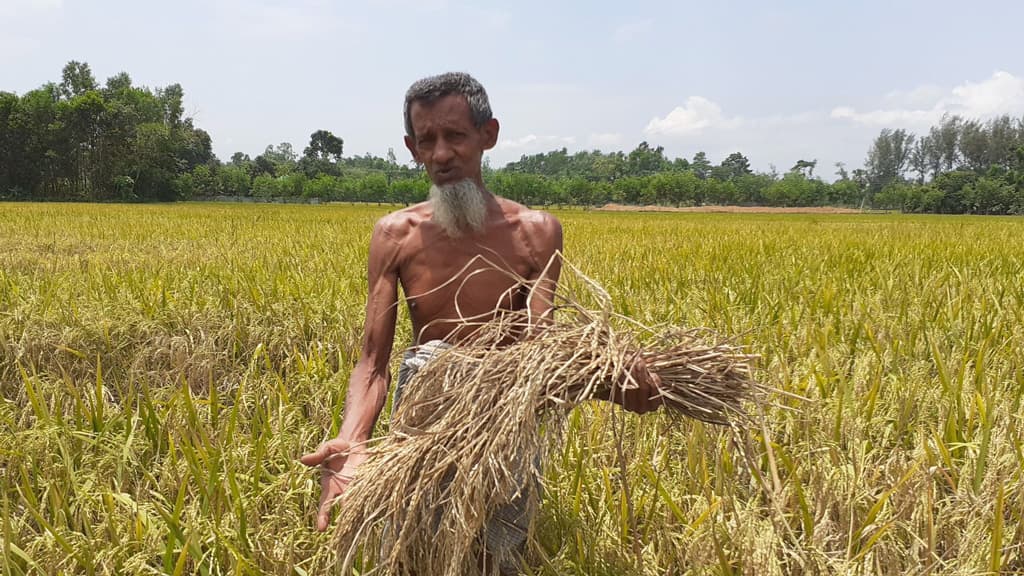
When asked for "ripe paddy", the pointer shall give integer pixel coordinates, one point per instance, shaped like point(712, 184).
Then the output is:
point(162, 367)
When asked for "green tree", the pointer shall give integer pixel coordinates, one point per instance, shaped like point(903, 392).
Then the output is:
point(76, 79)
point(410, 190)
point(240, 160)
point(888, 158)
point(171, 99)
point(700, 165)
point(989, 196)
point(750, 188)
point(117, 85)
point(952, 186)
point(325, 147)
point(805, 167)
point(644, 160)
point(794, 189)
point(74, 140)
point(925, 158)
point(946, 139)
point(608, 167)
point(234, 180)
point(734, 166)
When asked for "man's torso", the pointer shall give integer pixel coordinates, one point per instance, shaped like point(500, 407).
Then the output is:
point(446, 279)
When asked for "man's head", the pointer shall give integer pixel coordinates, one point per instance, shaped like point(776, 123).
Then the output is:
point(448, 125)
point(432, 88)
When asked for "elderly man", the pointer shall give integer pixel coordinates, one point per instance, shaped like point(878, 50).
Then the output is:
point(436, 251)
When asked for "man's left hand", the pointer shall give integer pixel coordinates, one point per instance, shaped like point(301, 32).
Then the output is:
point(646, 396)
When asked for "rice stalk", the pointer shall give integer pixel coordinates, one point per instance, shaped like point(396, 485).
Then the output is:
point(475, 421)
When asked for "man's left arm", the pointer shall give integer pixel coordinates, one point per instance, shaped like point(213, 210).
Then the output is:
point(546, 236)
point(548, 243)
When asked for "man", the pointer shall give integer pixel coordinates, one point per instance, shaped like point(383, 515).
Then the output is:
point(441, 252)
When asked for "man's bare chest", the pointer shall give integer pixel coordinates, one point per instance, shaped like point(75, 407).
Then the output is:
point(447, 278)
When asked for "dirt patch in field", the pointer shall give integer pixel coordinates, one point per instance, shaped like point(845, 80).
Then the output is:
point(734, 209)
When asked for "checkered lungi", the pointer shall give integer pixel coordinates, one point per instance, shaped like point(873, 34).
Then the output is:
point(505, 532)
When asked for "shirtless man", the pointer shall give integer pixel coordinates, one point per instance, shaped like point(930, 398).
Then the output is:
point(448, 126)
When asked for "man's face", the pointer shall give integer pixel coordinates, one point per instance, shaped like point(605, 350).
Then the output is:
point(446, 142)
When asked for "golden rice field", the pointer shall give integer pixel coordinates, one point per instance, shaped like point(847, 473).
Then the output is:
point(162, 368)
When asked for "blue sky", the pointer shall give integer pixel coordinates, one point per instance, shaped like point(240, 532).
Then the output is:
point(777, 81)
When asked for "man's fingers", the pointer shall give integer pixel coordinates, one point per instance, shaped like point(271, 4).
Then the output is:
point(316, 457)
point(329, 495)
point(324, 514)
point(324, 451)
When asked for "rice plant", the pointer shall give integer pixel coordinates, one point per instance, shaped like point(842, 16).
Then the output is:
point(162, 368)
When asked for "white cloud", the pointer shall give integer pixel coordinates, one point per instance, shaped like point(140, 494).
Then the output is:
point(518, 142)
point(1002, 93)
point(534, 142)
point(631, 30)
point(692, 118)
point(921, 97)
point(894, 117)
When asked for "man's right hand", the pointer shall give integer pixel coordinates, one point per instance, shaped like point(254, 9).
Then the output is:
point(338, 461)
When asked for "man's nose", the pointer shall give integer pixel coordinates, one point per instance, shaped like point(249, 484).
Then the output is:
point(443, 151)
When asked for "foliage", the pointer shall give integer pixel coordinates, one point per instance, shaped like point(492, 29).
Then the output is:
point(74, 140)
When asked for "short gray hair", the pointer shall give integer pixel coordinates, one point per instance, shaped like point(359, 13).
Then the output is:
point(432, 88)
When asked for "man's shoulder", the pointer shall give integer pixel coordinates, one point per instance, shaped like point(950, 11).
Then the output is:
point(543, 229)
point(538, 220)
point(398, 224)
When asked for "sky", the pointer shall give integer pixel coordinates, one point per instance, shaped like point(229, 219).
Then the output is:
point(777, 81)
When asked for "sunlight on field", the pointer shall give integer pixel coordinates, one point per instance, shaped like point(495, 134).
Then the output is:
point(162, 367)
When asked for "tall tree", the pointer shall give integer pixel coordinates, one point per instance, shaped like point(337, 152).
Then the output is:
point(644, 160)
point(1003, 136)
point(76, 79)
point(325, 146)
point(171, 99)
point(117, 84)
point(946, 138)
point(888, 158)
point(974, 147)
point(734, 166)
point(925, 158)
point(805, 167)
point(700, 165)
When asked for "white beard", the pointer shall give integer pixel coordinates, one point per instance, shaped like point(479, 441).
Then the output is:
point(458, 207)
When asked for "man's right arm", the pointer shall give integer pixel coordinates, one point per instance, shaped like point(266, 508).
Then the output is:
point(368, 384)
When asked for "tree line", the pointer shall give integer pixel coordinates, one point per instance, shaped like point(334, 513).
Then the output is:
point(77, 140)
point(960, 166)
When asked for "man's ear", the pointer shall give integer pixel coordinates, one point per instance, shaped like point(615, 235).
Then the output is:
point(411, 145)
point(490, 132)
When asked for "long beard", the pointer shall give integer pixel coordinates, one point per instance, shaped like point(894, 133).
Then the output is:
point(459, 207)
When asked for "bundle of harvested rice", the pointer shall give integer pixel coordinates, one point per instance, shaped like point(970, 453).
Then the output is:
point(469, 433)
